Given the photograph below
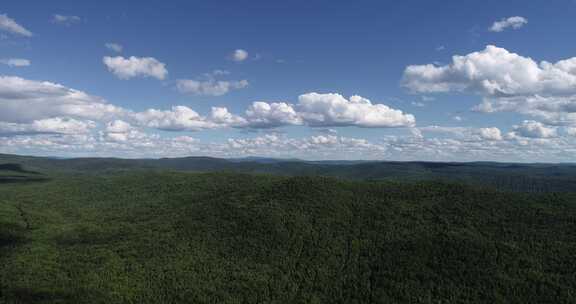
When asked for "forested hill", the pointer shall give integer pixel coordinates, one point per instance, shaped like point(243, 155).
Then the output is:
point(170, 237)
point(505, 176)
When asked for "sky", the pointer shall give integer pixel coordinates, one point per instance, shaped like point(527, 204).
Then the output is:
point(451, 80)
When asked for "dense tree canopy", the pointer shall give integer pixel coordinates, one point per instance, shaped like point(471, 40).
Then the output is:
point(169, 237)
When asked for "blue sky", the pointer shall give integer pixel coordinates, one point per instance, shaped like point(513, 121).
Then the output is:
point(174, 87)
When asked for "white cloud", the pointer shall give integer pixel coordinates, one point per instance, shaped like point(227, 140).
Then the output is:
point(534, 129)
point(134, 143)
point(179, 118)
point(469, 134)
point(271, 115)
point(442, 129)
point(570, 131)
point(326, 110)
point(9, 25)
point(182, 118)
point(49, 118)
point(515, 22)
point(15, 62)
point(130, 138)
point(554, 110)
point(506, 81)
point(137, 143)
point(222, 117)
point(493, 71)
point(63, 125)
point(315, 110)
point(126, 68)
point(515, 149)
point(24, 101)
point(239, 55)
point(335, 110)
point(209, 87)
point(65, 20)
point(490, 133)
point(121, 131)
point(48, 125)
point(324, 147)
point(116, 47)
point(118, 126)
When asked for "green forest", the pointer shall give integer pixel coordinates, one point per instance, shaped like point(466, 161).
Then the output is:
point(169, 235)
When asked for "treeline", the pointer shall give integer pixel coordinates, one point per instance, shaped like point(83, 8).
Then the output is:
point(534, 178)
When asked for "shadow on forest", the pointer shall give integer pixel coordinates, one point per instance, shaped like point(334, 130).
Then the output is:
point(21, 179)
point(15, 168)
point(10, 235)
point(25, 295)
point(16, 174)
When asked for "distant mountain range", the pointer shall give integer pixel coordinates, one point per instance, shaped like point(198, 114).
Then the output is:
point(509, 176)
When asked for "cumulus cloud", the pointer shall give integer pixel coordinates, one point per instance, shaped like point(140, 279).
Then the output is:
point(313, 109)
point(183, 118)
point(326, 110)
point(140, 144)
point(220, 116)
point(239, 55)
point(8, 24)
point(490, 133)
point(419, 147)
point(120, 131)
point(515, 149)
point(515, 22)
point(126, 68)
point(65, 20)
point(24, 101)
point(324, 146)
point(270, 115)
point(55, 125)
point(15, 62)
point(116, 47)
point(210, 87)
point(469, 134)
point(179, 118)
point(85, 132)
point(210, 84)
point(134, 143)
point(506, 81)
point(47, 117)
point(118, 126)
point(534, 129)
point(494, 71)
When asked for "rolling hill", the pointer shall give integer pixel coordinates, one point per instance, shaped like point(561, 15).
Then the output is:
point(504, 176)
point(174, 237)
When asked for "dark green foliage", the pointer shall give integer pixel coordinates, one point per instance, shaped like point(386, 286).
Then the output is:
point(536, 178)
point(161, 237)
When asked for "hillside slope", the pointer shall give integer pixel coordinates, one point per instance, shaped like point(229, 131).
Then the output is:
point(161, 237)
point(504, 176)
